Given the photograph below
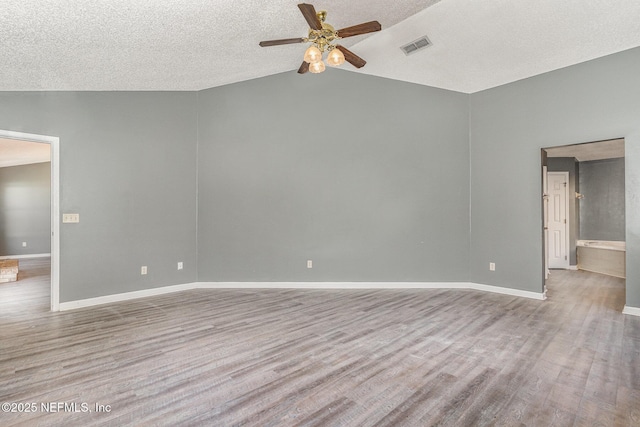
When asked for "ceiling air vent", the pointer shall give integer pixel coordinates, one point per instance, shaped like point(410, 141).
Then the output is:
point(416, 45)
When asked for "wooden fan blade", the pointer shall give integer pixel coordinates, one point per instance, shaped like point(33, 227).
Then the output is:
point(367, 27)
point(351, 57)
point(303, 68)
point(309, 13)
point(281, 41)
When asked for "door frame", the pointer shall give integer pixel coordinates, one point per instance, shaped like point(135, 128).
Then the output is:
point(54, 143)
point(567, 226)
point(545, 221)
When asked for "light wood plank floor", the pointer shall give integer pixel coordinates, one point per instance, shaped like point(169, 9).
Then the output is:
point(325, 358)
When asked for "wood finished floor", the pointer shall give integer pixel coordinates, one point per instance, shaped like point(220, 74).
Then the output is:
point(325, 358)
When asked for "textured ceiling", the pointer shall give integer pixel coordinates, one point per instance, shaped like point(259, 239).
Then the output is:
point(197, 44)
point(479, 44)
point(162, 45)
point(600, 150)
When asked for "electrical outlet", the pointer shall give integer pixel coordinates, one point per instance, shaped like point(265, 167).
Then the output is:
point(309, 263)
point(180, 265)
point(143, 270)
point(492, 266)
point(70, 218)
point(24, 244)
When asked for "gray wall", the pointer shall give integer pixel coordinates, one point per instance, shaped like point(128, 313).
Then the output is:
point(569, 164)
point(367, 177)
point(602, 215)
point(127, 167)
point(25, 209)
point(409, 184)
point(592, 101)
point(632, 207)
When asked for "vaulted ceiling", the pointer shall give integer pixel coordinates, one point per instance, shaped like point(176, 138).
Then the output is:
point(198, 44)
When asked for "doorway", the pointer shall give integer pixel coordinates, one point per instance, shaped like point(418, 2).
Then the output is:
point(54, 144)
point(590, 178)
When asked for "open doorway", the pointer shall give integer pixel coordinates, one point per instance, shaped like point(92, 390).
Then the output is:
point(584, 207)
point(26, 239)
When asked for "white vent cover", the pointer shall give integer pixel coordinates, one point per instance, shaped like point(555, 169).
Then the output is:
point(416, 45)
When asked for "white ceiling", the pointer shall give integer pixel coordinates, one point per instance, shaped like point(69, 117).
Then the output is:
point(480, 44)
point(14, 152)
point(197, 44)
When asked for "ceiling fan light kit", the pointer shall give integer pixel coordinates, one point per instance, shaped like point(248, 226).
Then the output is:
point(313, 54)
point(322, 37)
point(335, 58)
point(316, 67)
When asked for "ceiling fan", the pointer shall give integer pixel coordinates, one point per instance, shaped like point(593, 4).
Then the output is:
point(322, 36)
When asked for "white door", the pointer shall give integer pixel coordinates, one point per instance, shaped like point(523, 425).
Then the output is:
point(558, 219)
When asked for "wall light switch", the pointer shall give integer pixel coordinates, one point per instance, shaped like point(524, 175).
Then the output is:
point(143, 270)
point(180, 265)
point(70, 218)
point(309, 263)
point(492, 266)
point(24, 244)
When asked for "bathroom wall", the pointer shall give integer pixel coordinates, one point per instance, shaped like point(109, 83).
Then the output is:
point(602, 215)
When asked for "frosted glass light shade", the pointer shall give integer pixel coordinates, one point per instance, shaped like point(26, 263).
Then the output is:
point(335, 58)
point(316, 67)
point(312, 55)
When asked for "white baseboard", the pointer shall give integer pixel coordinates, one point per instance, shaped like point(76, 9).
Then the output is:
point(573, 267)
point(70, 305)
point(633, 311)
point(89, 302)
point(25, 256)
point(332, 285)
point(509, 291)
point(371, 285)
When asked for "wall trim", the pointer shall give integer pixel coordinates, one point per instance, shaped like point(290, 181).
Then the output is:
point(632, 311)
point(25, 256)
point(126, 296)
point(509, 291)
point(371, 285)
point(89, 302)
point(573, 267)
point(332, 285)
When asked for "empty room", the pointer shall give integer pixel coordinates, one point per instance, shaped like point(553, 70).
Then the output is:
point(331, 214)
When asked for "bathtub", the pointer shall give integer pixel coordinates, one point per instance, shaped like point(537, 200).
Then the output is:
point(602, 256)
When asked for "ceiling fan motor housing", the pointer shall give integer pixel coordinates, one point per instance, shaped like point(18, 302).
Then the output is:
point(323, 38)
